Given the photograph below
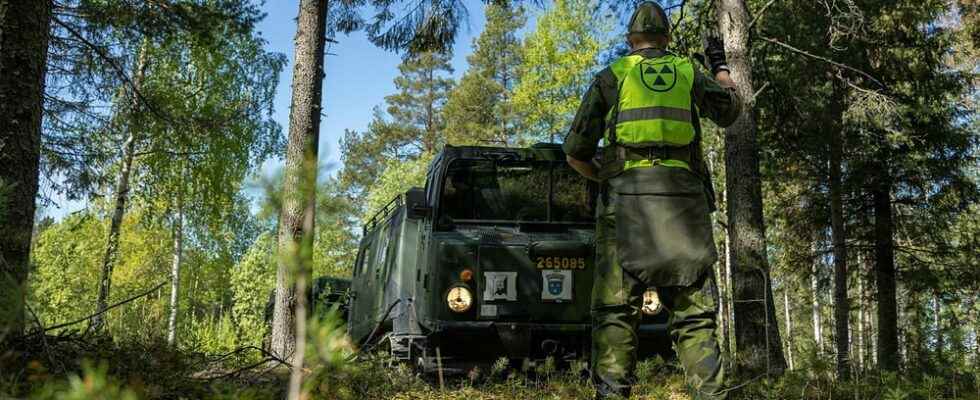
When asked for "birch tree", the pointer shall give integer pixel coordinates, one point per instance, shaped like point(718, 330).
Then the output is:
point(128, 115)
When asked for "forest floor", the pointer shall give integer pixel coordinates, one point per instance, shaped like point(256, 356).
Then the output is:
point(73, 367)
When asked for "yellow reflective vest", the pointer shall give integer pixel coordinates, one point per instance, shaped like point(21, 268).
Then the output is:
point(654, 107)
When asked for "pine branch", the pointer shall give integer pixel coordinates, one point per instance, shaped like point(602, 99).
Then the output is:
point(824, 59)
point(762, 12)
point(115, 66)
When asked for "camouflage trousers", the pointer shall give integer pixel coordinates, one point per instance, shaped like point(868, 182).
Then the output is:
point(617, 298)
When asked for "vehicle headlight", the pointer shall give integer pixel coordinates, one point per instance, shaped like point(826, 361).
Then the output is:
point(651, 302)
point(459, 299)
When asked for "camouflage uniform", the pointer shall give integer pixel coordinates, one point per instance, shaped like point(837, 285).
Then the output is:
point(671, 204)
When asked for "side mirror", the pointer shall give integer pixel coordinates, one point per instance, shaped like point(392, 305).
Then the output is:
point(419, 211)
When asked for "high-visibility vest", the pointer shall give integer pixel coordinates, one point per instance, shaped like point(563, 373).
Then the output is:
point(654, 107)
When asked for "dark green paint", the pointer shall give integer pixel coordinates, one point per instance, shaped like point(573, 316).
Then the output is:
point(411, 255)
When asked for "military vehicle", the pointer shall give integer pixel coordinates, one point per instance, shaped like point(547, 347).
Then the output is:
point(493, 258)
point(326, 294)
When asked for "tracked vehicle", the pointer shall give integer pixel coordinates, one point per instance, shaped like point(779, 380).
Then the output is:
point(493, 258)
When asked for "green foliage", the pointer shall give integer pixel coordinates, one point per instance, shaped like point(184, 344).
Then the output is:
point(67, 259)
point(421, 25)
point(479, 109)
point(206, 121)
point(93, 56)
point(397, 178)
point(335, 245)
point(412, 126)
point(140, 371)
point(93, 384)
point(416, 110)
point(558, 63)
point(220, 334)
point(330, 348)
point(252, 279)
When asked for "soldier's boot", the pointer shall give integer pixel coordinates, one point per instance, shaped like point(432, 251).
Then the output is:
point(693, 329)
point(614, 345)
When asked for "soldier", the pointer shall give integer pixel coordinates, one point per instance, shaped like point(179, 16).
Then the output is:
point(652, 221)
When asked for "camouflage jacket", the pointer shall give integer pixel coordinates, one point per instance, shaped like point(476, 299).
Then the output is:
point(710, 100)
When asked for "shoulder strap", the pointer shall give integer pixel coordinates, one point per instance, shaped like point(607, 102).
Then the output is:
point(621, 69)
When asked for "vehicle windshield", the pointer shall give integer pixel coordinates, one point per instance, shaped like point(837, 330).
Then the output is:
point(516, 191)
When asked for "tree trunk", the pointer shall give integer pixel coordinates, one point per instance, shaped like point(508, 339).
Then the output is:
point(871, 303)
point(296, 220)
point(122, 193)
point(860, 321)
point(723, 308)
point(789, 328)
point(175, 270)
point(729, 297)
point(842, 307)
point(976, 341)
point(23, 58)
point(755, 312)
point(885, 274)
point(815, 302)
point(938, 322)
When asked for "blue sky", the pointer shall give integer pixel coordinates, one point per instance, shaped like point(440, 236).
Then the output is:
point(358, 74)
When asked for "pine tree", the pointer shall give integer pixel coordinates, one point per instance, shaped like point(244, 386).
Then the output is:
point(412, 126)
point(297, 217)
point(23, 49)
point(416, 110)
point(865, 141)
point(752, 291)
point(919, 146)
point(479, 109)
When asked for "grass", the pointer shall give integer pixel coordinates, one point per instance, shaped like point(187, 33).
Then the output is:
point(72, 367)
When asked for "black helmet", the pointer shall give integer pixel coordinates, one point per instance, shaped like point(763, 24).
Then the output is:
point(650, 18)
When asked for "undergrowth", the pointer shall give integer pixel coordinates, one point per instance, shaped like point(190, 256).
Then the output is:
point(76, 367)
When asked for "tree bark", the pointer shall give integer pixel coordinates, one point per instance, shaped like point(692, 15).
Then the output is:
point(885, 274)
point(842, 306)
point(296, 220)
point(860, 322)
point(755, 312)
point(938, 322)
point(815, 302)
point(872, 330)
point(723, 307)
point(122, 193)
point(175, 270)
point(23, 60)
point(730, 341)
point(789, 328)
point(976, 340)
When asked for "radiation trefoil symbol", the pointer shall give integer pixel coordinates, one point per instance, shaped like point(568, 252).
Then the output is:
point(658, 77)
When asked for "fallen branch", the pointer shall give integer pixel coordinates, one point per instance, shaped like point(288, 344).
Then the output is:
point(246, 368)
point(824, 59)
point(80, 320)
point(265, 353)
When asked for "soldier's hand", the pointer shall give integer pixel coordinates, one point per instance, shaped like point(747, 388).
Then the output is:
point(715, 52)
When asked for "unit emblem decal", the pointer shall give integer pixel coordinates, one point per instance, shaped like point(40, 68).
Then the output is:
point(500, 286)
point(556, 285)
